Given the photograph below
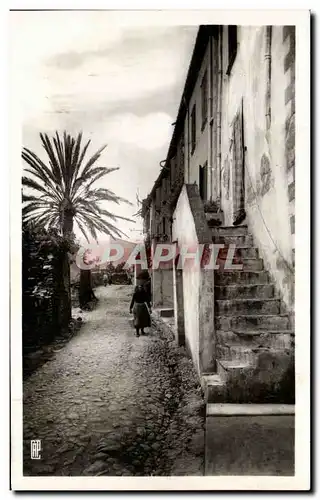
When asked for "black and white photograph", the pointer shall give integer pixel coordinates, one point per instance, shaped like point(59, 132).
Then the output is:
point(155, 252)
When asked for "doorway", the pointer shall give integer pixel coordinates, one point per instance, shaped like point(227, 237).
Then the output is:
point(238, 171)
point(203, 181)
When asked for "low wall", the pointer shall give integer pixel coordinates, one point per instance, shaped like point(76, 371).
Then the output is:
point(190, 228)
point(250, 440)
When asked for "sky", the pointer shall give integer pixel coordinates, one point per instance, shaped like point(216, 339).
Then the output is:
point(119, 84)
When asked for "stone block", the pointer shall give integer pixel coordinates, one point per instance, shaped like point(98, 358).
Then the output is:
point(292, 224)
point(166, 313)
point(248, 306)
point(291, 191)
point(288, 31)
point(260, 445)
point(290, 92)
point(242, 277)
point(264, 291)
point(253, 322)
point(289, 60)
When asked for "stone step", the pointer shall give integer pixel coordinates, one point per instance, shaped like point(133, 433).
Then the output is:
point(237, 353)
point(251, 264)
point(246, 252)
point(275, 339)
point(244, 291)
point(226, 369)
point(246, 355)
point(226, 277)
point(252, 322)
point(166, 312)
point(247, 306)
point(246, 264)
point(241, 240)
point(233, 409)
point(214, 388)
point(231, 230)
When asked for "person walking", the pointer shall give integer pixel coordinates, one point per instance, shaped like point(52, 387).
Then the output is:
point(141, 308)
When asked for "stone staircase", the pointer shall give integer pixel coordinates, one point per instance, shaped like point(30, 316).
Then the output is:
point(249, 316)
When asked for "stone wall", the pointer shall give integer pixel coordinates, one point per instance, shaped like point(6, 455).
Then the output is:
point(289, 70)
point(267, 102)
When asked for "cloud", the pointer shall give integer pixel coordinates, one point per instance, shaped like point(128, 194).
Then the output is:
point(146, 132)
point(92, 63)
point(119, 84)
point(127, 45)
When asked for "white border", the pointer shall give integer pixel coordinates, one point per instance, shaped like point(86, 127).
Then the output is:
point(301, 480)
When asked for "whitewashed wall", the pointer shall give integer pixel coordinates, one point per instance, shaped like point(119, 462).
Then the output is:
point(267, 213)
point(185, 233)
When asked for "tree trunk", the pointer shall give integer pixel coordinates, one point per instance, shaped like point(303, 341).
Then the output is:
point(86, 294)
point(65, 294)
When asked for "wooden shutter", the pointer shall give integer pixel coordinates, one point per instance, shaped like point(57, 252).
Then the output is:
point(238, 170)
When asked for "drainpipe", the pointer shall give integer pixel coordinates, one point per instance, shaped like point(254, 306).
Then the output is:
point(267, 58)
point(220, 72)
point(210, 116)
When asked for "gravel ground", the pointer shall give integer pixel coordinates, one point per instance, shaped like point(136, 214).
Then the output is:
point(111, 404)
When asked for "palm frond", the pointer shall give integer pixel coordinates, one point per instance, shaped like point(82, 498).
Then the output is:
point(65, 184)
point(78, 167)
point(92, 160)
point(39, 169)
point(75, 157)
point(82, 229)
point(54, 162)
point(27, 182)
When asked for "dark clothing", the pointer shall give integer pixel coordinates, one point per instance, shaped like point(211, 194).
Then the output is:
point(140, 296)
point(147, 288)
point(141, 316)
point(140, 305)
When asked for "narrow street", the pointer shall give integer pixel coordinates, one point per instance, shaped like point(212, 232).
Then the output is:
point(109, 403)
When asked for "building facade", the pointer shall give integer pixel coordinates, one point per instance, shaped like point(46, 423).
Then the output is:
point(229, 177)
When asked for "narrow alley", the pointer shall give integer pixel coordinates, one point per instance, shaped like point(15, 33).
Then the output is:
point(111, 404)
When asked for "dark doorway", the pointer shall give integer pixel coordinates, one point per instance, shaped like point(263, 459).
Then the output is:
point(238, 180)
point(203, 181)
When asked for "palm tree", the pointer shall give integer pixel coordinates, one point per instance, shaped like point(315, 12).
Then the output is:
point(65, 192)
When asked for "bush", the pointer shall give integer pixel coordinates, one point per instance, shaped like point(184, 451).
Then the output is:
point(46, 304)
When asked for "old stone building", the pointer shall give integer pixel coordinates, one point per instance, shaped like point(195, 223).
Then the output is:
point(229, 179)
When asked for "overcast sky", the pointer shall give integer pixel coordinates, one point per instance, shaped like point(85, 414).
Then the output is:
point(120, 85)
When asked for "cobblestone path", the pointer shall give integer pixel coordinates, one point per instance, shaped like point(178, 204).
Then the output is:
point(109, 403)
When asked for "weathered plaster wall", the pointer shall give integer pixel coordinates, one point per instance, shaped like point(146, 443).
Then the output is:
point(190, 228)
point(162, 288)
point(178, 306)
point(200, 153)
point(184, 232)
point(266, 180)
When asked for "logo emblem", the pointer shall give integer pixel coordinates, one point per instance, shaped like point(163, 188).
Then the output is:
point(35, 449)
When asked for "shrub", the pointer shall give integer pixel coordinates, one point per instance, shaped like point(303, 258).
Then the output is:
point(44, 257)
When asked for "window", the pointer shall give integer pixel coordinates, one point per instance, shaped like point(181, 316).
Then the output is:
point(232, 46)
point(204, 99)
point(193, 129)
